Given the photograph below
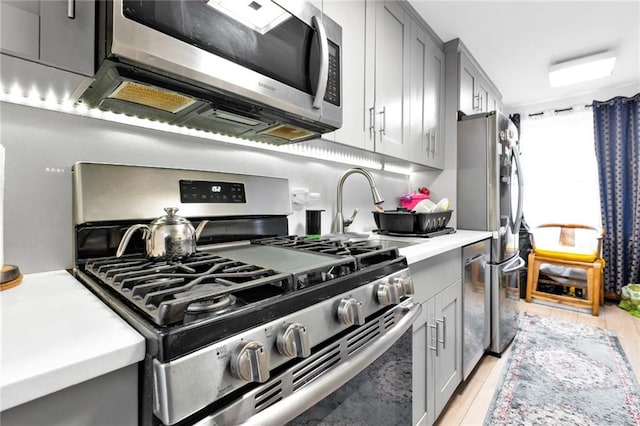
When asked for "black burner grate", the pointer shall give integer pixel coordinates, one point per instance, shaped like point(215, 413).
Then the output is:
point(178, 292)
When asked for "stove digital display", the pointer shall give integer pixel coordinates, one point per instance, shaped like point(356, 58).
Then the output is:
point(198, 191)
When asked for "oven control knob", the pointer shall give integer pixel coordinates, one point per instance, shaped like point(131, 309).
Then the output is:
point(350, 312)
point(407, 285)
point(389, 293)
point(249, 361)
point(293, 341)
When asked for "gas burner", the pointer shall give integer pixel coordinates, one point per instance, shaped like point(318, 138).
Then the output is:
point(214, 304)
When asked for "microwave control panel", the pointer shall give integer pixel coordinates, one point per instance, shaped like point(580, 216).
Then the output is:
point(332, 95)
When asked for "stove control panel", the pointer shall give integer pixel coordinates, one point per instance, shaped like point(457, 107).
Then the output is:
point(199, 191)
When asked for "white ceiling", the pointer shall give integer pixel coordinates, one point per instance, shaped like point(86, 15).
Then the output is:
point(516, 41)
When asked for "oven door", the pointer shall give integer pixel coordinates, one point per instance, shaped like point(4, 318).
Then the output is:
point(381, 391)
point(289, 59)
point(364, 375)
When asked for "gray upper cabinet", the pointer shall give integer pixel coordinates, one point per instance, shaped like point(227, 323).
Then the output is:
point(356, 20)
point(467, 84)
point(392, 79)
point(56, 33)
point(67, 37)
point(475, 91)
point(427, 99)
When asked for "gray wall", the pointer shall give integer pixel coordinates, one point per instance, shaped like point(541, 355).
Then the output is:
point(41, 146)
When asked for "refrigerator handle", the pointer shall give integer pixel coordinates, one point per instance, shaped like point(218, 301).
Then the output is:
point(520, 263)
point(516, 157)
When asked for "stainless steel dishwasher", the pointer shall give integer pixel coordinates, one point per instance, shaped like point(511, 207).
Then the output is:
point(476, 304)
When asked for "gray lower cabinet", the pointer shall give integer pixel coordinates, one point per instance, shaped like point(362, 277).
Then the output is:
point(110, 399)
point(57, 33)
point(437, 335)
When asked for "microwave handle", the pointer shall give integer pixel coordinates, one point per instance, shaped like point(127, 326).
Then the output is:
point(323, 73)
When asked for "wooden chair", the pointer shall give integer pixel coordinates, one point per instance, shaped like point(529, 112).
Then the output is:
point(565, 250)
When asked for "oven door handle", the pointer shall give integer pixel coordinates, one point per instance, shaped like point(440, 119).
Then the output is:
point(304, 398)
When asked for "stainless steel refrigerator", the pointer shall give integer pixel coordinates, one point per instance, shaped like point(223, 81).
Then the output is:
point(490, 199)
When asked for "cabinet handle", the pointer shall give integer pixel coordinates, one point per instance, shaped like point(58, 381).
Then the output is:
point(383, 113)
point(443, 321)
point(435, 348)
point(71, 9)
point(476, 97)
point(372, 122)
point(434, 136)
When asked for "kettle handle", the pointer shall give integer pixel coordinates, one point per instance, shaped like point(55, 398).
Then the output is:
point(200, 228)
point(127, 236)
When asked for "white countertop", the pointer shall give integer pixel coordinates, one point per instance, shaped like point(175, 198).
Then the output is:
point(425, 248)
point(55, 333)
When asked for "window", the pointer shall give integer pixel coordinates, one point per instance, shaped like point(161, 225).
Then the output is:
point(560, 169)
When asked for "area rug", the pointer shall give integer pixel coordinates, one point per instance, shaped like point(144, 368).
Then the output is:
point(562, 373)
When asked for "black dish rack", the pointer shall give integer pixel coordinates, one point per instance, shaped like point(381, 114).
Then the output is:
point(403, 221)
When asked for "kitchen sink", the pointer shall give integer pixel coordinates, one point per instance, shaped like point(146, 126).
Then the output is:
point(386, 243)
point(376, 240)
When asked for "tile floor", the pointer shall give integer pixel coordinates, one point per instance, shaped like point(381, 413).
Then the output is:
point(471, 401)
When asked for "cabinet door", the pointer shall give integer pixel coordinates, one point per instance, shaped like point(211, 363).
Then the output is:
point(427, 100)
point(467, 102)
point(20, 29)
point(448, 365)
point(436, 105)
point(67, 35)
point(392, 78)
point(43, 32)
point(357, 72)
point(420, 354)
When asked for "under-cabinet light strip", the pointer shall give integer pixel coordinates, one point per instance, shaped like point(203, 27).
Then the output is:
point(32, 98)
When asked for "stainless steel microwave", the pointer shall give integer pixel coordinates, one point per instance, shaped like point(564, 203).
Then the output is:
point(258, 69)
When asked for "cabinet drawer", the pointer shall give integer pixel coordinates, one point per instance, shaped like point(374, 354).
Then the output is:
point(432, 275)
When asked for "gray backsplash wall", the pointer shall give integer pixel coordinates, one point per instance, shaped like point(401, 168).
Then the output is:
point(41, 146)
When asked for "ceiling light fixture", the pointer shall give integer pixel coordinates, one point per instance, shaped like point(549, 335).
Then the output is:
point(582, 69)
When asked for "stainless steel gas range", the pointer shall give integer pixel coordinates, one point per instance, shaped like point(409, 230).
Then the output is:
point(256, 325)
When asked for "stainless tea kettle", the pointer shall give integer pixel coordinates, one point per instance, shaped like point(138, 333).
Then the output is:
point(167, 237)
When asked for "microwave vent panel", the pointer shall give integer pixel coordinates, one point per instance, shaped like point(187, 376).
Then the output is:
point(288, 132)
point(151, 96)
